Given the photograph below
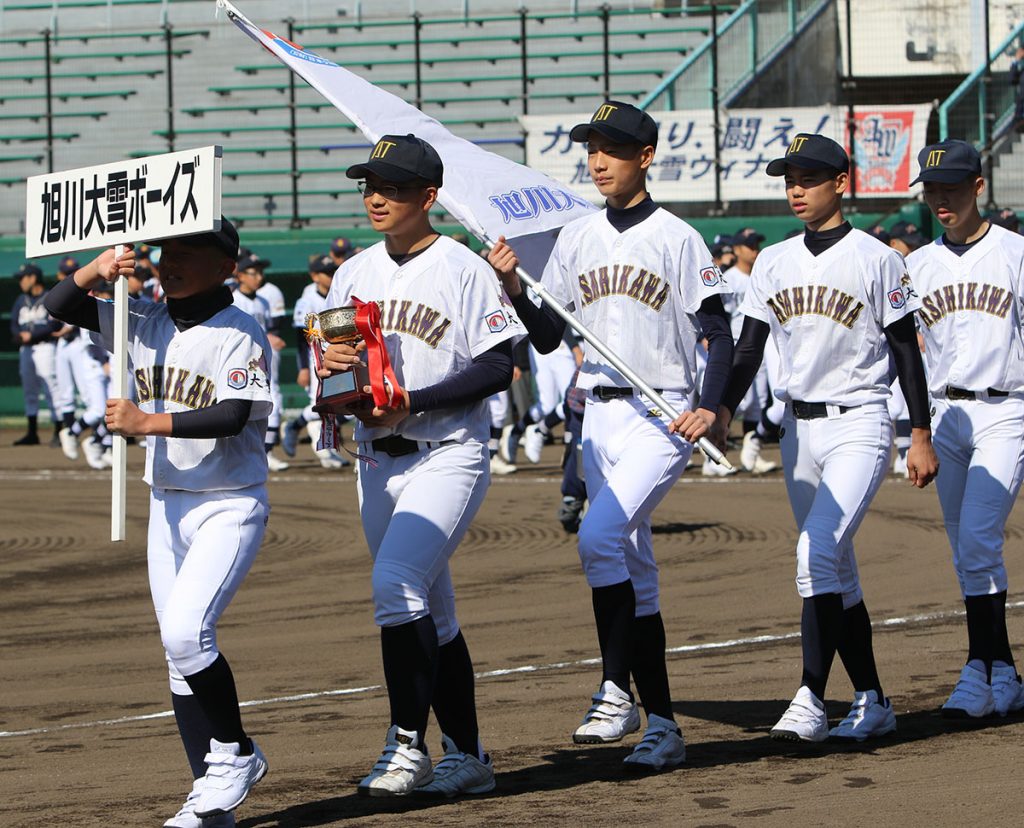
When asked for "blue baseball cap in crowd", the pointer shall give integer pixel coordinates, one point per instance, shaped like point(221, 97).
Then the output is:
point(623, 123)
point(810, 151)
point(28, 269)
point(948, 162)
point(1005, 218)
point(880, 233)
point(68, 266)
point(252, 261)
point(401, 159)
point(748, 237)
point(323, 264)
point(342, 247)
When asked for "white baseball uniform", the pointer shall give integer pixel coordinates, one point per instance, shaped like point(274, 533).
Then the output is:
point(208, 507)
point(639, 291)
point(77, 369)
point(442, 308)
point(310, 301)
point(827, 315)
point(275, 301)
point(971, 321)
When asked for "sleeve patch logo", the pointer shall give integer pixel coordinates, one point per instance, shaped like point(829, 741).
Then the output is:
point(710, 276)
point(238, 378)
point(496, 321)
point(896, 298)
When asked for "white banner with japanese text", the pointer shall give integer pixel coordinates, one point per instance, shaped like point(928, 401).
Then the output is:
point(887, 139)
point(156, 197)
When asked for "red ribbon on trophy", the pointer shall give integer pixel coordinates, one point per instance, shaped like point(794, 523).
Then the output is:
point(383, 382)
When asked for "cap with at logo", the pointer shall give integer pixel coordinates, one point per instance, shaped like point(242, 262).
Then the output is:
point(948, 162)
point(400, 159)
point(811, 152)
point(342, 247)
point(621, 122)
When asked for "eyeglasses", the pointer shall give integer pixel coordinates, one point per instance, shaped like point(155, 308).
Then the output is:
point(389, 191)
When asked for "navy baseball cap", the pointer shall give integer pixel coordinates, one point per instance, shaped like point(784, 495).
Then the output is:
point(143, 252)
point(811, 152)
point(721, 248)
point(621, 122)
point(748, 237)
point(880, 233)
point(948, 162)
point(28, 269)
point(225, 239)
point(401, 158)
point(323, 264)
point(254, 261)
point(1005, 218)
point(342, 247)
point(68, 266)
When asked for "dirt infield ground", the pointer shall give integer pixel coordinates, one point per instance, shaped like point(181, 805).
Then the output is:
point(87, 740)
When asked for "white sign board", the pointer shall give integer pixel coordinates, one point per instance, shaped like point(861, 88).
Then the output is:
point(886, 142)
point(174, 194)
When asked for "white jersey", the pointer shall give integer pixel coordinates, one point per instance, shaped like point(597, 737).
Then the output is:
point(970, 313)
point(176, 371)
point(442, 309)
point(256, 306)
point(738, 282)
point(274, 298)
point(827, 313)
point(311, 301)
point(639, 291)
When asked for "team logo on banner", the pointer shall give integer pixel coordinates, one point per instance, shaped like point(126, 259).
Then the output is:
point(496, 321)
point(296, 51)
point(238, 378)
point(897, 299)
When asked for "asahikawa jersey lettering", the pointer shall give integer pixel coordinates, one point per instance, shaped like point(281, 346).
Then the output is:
point(175, 371)
point(441, 309)
point(970, 315)
point(638, 290)
point(827, 315)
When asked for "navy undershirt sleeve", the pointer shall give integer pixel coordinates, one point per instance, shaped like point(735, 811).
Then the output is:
point(714, 322)
point(902, 338)
point(746, 359)
point(69, 303)
point(543, 324)
point(301, 349)
point(226, 418)
point(488, 374)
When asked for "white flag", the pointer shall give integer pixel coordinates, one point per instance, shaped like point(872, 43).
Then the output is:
point(488, 194)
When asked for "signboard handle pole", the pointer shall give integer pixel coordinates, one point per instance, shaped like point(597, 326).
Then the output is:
point(119, 390)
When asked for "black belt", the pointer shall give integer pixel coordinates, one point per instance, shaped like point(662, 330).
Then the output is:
point(397, 446)
point(954, 393)
point(815, 411)
point(613, 392)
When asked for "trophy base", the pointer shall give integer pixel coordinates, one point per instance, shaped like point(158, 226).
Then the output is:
point(340, 393)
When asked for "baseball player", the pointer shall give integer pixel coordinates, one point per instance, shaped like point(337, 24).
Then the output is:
point(643, 281)
point(423, 465)
point(312, 300)
point(263, 300)
point(746, 245)
point(837, 302)
point(971, 284)
point(35, 334)
point(200, 367)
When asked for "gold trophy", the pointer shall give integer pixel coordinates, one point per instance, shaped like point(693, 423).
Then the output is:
point(340, 392)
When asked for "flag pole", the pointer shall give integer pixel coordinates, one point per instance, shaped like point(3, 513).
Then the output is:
point(705, 445)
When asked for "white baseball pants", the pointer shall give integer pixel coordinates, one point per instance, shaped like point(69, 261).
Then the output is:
point(38, 370)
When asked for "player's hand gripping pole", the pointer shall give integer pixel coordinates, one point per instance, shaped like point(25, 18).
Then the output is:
point(119, 390)
point(705, 445)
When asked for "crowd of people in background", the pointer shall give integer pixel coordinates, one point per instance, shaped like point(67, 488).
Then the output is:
point(67, 373)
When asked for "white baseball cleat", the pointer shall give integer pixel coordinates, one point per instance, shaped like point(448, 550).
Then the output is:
point(500, 467)
point(661, 747)
point(803, 721)
point(331, 459)
point(712, 469)
point(508, 444)
point(68, 444)
point(612, 716)
point(186, 817)
point(750, 455)
point(93, 454)
point(459, 773)
point(971, 698)
point(229, 777)
point(402, 767)
point(1007, 690)
point(533, 443)
point(276, 464)
point(867, 718)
